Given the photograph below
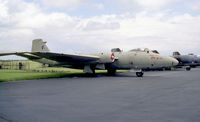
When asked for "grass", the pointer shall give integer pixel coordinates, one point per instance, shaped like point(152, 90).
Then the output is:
point(57, 69)
point(15, 75)
point(34, 70)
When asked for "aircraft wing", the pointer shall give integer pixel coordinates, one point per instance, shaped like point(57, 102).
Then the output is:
point(74, 58)
point(66, 57)
point(7, 53)
point(22, 54)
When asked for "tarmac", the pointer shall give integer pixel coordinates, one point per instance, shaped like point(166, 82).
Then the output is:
point(159, 96)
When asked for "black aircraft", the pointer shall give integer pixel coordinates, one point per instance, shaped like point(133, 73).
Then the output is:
point(188, 61)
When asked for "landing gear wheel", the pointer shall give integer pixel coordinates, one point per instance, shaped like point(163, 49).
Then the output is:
point(111, 71)
point(188, 68)
point(139, 74)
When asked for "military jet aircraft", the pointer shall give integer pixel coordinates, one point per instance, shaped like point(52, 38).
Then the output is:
point(135, 59)
point(188, 61)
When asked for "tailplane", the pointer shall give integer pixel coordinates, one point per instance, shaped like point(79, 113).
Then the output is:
point(38, 45)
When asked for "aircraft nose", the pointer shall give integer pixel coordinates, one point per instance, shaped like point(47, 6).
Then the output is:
point(174, 62)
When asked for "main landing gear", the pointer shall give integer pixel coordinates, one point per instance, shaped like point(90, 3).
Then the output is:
point(188, 68)
point(139, 74)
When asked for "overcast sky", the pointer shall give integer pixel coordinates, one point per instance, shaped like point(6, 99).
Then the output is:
point(86, 26)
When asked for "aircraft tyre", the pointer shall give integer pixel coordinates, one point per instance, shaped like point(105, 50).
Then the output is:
point(139, 74)
point(111, 71)
point(188, 68)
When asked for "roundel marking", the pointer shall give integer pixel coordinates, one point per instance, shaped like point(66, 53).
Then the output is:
point(112, 57)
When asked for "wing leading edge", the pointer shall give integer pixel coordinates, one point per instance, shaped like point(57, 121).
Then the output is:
point(59, 57)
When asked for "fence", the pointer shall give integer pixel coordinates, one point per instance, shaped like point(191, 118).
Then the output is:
point(19, 65)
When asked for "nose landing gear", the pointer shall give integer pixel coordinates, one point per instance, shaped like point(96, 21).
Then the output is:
point(138, 72)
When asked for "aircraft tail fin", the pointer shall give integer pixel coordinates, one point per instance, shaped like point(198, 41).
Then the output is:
point(38, 45)
point(176, 53)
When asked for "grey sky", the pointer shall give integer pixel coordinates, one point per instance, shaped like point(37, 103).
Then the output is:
point(85, 26)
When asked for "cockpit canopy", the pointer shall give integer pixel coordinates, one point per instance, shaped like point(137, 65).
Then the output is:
point(116, 50)
point(140, 50)
point(144, 50)
point(176, 54)
point(155, 51)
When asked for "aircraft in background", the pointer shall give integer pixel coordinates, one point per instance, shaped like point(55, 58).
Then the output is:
point(188, 61)
point(135, 59)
